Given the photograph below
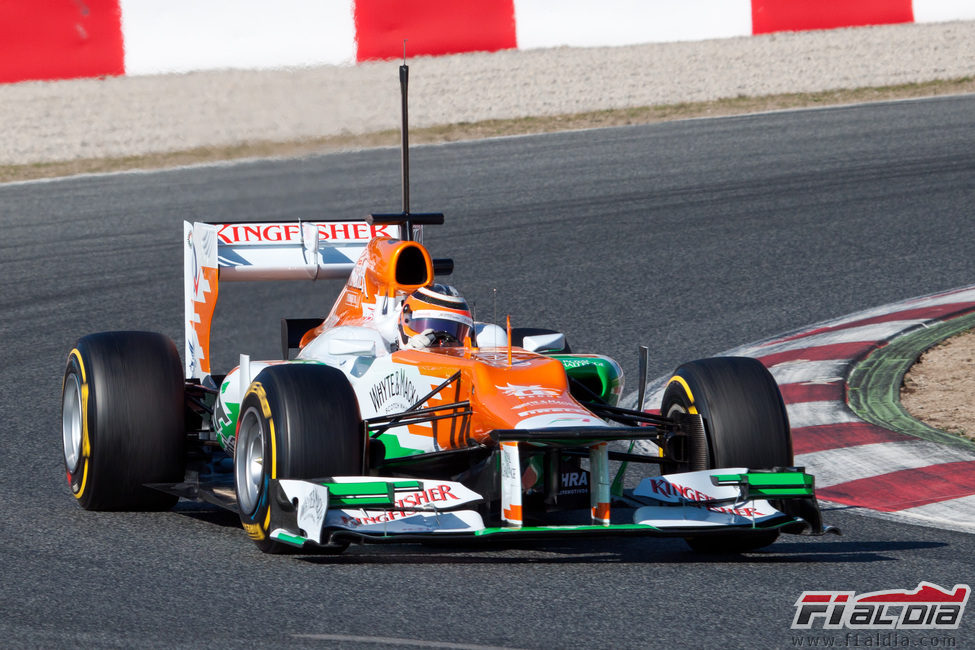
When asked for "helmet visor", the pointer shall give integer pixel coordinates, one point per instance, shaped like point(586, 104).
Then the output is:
point(456, 326)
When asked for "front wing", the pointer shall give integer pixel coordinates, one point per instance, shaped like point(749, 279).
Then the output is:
point(378, 509)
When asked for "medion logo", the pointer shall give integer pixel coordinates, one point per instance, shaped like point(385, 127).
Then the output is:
point(928, 607)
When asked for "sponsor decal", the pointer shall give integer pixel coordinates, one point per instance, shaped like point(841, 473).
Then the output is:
point(560, 418)
point(276, 233)
point(313, 506)
point(194, 263)
point(439, 493)
point(509, 468)
point(575, 482)
point(671, 490)
point(500, 359)
point(357, 279)
point(221, 416)
point(575, 363)
point(394, 392)
point(528, 391)
point(559, 409)
point(928, 607)
point(666, 488)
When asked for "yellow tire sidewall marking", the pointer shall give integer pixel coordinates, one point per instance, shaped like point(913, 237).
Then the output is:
point(254, 531)
point(85, 439)
point(257, 389)
point(687, 391)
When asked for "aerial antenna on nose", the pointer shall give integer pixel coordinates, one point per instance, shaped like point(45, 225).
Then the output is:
point(410, 224)
point(404, 82)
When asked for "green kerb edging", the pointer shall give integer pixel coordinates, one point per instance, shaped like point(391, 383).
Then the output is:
point(873, 386)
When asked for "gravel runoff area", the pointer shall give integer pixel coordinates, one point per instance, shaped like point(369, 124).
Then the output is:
point(137, 116)
point(940, 388)
point(54, 128)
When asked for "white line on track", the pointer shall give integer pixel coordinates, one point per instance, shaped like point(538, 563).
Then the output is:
point(946, 298)
point(862, 333)
point(395, 641)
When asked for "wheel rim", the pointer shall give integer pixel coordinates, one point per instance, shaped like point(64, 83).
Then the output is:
point(249, 465)
point(677, 408)
point(72, 423)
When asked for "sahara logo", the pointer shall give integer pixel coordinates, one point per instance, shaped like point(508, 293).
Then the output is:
point(528, 391)
point(929, 607)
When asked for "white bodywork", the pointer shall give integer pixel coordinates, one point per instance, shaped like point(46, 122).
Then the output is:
point(703, 504)
point(685, 502)
point(228, 252)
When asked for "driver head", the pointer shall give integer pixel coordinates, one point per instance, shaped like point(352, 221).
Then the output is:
point(439, 308)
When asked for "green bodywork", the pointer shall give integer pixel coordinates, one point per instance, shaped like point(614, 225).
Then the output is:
point(227, 427)
point(769, 485)
point(392, 447)
point(367, 493)
point(600, 375)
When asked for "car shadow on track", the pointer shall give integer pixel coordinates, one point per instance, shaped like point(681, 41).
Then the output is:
point(208, 513)
point(660, 551)
point(787, 550)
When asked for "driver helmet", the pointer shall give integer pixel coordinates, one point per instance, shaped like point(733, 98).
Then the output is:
point(439, 308)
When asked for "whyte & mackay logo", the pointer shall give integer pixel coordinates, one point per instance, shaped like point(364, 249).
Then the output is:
point(928, 607)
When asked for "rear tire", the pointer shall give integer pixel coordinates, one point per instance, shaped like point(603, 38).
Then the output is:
point(298, 421)
point(122, 420)
point(745, 425)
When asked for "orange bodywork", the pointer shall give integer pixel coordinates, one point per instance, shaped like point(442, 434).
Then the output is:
point(505, 386)
point(203, 311)
point(387, 268)
point(501, 396)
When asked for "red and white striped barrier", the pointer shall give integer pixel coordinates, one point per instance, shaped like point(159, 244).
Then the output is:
point(47, 40)
point(857, 463)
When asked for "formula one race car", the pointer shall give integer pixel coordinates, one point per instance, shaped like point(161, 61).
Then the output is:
point(400, 418)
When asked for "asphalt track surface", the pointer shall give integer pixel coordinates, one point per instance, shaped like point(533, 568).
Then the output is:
point(691, 237)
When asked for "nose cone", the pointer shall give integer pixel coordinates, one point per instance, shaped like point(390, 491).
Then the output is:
point(533, 393)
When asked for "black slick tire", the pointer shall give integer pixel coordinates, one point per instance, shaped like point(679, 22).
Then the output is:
point(123, 422)
point(297, 421)
point(745, 425)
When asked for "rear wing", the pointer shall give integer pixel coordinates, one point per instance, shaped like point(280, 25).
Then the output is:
point(277, 250)
point(271, 250)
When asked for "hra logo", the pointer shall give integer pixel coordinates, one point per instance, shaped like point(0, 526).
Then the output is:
point(928, 607)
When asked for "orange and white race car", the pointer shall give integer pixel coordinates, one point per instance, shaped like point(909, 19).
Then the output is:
point(399, 418)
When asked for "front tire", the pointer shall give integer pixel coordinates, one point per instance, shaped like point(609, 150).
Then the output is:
point(298, 421)
point(745, 425)
point(122, 420)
